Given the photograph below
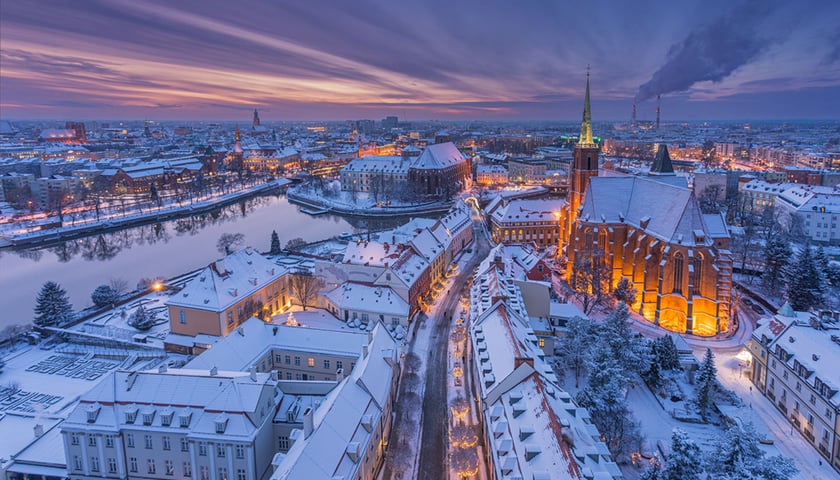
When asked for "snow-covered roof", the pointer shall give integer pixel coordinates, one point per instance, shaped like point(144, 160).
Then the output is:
point(438, 156)
point(254, 338)
point(159, 399)
point(347, 419)
point(668, 212)
point(227, 281)
point(360, 297)
point(385, 164)
point(542, 210)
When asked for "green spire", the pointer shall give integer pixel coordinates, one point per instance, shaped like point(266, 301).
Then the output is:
point(586, 125)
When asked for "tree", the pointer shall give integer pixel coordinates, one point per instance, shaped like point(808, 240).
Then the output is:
point(804, 283)
point(625, 292)
point(776, 257)
point(141, 320)
point(666, 351)
point(275, 243)
point(119, 285)
point(590, 280)
point(228, 241)
point(52, 307)
point(574, 346)
point(736, 454)
point(304, 286)
point(706, 383)
point(103, 296)
point(295, 243)
point(630, 350)
point(684, 461)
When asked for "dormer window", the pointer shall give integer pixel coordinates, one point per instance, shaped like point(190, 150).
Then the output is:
point(184, 419)
point(130, 415)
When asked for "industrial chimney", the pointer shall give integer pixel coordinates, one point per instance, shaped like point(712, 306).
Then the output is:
point(633, 120)
point(658, 102)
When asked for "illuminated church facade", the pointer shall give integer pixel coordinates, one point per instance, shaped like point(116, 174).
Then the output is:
point(650, 230)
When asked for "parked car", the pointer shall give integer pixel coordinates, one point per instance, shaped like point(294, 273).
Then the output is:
point(757, 309)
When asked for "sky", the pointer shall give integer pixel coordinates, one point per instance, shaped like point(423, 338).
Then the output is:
point(429, 60)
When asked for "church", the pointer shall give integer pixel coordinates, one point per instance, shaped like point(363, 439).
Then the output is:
point(650, 230)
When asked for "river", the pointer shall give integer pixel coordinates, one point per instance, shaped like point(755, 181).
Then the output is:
point(164, 250)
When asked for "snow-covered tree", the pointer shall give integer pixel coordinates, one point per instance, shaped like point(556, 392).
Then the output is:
point(736, 454)
point(52, 307)
point(776, 257)
point(706, 383)
point(275, 243)
point(804, 283)
point(628, 349)
point(683, 462)
point(624, 291)
point(295, 243)
point(104, 295)
point(141, 320)
point(575, 345)
point(666, 350)
point(229, 241)
point(653, 375)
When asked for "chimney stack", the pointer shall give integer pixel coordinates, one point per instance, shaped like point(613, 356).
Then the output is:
point(339, 375)
point(162, 368)
point(39, 430)
point(308, 423)
point(658, 102)
point(214, 371)
point(633, 121)
point(252, 372)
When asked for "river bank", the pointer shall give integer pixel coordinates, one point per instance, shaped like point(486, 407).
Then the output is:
point(316, 205)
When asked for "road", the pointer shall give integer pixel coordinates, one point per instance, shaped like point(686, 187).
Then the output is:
point(434, 448)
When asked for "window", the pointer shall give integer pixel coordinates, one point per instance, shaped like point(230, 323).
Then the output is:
point(166, 445)
point(112, 465)
point(187, 468)
point(326, 364)
point(785, 375)
point(278, 358)
point(182, 317)
point(678, 272)
point(798, 387)
point(223, 473)
point(74, 438)
point(698, 274)
point(185, 444)
point(310, 361)
point(150, 465)
point(288, 375)
point(283, 443)
point(339, 364)
point(542, 343)
point(220, 451)
point(773, 363)
point(169, 467)
point(810, 420)
point(813, 399)
point(148, 441)
point(240, 474)
point(109, 441)
point(129, 439)
point(230, 318)
point(288, 359)
point(297, 361)
point(77, 462)
point(132, 464)
point(202, 448)
point(205, 472)
point(828, 413)
point(240, 451)
point(91, 441)
point(298, 377)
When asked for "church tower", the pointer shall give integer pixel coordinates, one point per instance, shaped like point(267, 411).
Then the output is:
point(256, 122)
point(585, 160)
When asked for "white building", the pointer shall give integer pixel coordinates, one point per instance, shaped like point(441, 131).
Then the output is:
point(794, 363)
point(817, 210)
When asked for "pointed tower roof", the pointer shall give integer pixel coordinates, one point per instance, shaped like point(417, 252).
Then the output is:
point(237, 146)
point(586, 124)
point(662, 163)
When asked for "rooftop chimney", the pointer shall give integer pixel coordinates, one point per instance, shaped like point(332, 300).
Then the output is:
point(339, 375)
point(214, 371)
point(162, 368)
point(252, 373)
point(39, 430)
point(308, 422)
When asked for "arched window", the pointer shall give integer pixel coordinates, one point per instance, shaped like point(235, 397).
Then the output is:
point(678, 273)
point(602, 239)
point(588, 240)
point(697, 281)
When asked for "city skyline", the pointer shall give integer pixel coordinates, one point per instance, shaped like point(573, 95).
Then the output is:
point(205, 61)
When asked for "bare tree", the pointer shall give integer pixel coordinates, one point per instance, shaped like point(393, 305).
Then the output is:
point(120, 285)
point(304, 286)
point(228, 241)
point(590, 280)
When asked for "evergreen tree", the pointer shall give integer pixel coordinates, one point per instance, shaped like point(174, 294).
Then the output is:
point(52, 307)
point(275, 243)
point(669, 358)
point(654, 472)
point(574, 346)
point(624, 292)
point(684, 461)
point(104, 295)
point(628, 349)
point(804, 285)
point(776, 257)
point(706, 383)
point(653, 375)
point(736, 454)
point(141, 320)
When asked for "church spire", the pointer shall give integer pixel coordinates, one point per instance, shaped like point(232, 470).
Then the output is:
point(586, 124)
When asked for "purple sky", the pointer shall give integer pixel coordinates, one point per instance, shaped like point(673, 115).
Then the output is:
point(318, 60)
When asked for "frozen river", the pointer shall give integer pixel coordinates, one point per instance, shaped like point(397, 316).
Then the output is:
point(150, 251)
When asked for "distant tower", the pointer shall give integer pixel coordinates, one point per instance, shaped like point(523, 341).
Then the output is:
point(585, 160)
point(658, 102)
point(146, 132)
point(256, 118)
point(78, 131)
point(237, 146)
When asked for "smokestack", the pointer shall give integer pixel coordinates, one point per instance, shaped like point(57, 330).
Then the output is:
point(634, 114)
point(658, 101)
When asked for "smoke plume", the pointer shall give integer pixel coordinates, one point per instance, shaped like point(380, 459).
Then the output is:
point(711, 52)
